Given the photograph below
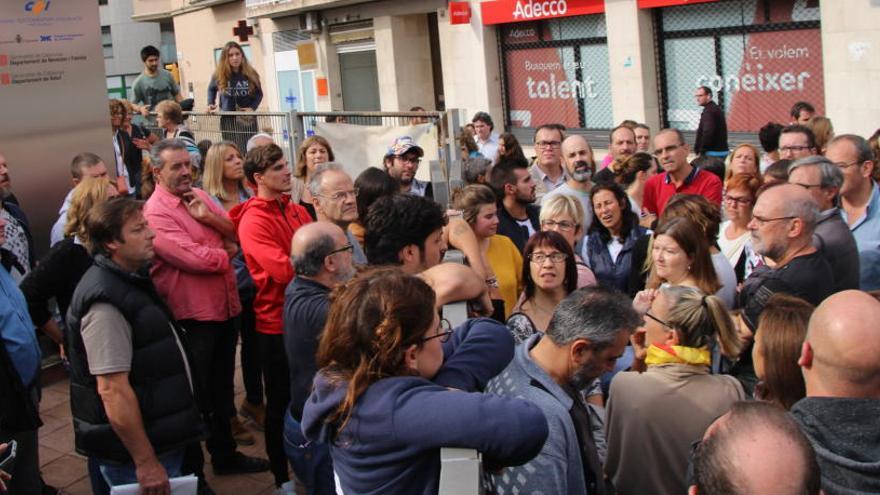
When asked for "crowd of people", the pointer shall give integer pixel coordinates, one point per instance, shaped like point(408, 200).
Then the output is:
point(646, 324)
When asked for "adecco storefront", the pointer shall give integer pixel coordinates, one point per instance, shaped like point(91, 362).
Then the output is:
point(554, 62)
point(759, 57)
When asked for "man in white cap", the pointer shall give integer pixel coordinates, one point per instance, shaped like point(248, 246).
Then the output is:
point(402, 162)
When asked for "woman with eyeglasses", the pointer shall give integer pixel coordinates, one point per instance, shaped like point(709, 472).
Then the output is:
point(741, 190)
point(397, 384)
point(613, 233)
point(658, 410)
point(480, 210)
point(549, 274)
point(564, 214)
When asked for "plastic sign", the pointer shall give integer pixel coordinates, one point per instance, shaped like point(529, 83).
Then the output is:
point(459, 13)
point(504, 11)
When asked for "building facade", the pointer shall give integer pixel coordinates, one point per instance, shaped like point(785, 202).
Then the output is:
point(586, 63)
point(122, 39)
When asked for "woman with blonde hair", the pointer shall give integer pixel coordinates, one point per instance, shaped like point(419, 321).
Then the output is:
point(824, 132)
point(169, 118)
point(744, 159)
point(240, 91)
point(224, 180)
point(57, 274)
point(660, 408)
point(564, 214)
point(313, 151)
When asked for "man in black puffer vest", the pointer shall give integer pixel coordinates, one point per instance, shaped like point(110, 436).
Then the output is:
point(130, 386)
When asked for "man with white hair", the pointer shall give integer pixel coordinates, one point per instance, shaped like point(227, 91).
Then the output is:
point(258, 139)
point(335, 199)
point(832, 237)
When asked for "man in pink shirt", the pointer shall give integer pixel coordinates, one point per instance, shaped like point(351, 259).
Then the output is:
point(193, 273)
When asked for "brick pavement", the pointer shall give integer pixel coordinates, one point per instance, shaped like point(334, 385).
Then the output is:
point(62, 467)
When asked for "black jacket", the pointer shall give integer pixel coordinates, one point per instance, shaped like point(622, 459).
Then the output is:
point(158, 372)
point(132, 157)
point(306, 304)
point(712, 132)
point(507, 225)
point(56, 276)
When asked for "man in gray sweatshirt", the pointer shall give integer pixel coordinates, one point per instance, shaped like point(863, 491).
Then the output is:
point(587, 333)
point(840, 360)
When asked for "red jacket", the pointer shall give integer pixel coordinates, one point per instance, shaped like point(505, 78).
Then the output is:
point(265, 228)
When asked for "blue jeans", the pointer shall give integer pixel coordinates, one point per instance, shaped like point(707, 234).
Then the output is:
point(124, 474)
point(310, 461)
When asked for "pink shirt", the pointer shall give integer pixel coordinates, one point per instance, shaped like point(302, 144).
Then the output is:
point(191, 271)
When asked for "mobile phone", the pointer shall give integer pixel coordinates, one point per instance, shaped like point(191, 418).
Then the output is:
point(9, 455)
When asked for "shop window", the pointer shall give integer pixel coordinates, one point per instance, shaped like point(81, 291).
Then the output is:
point(107, 41)
point(557, 71)
point(759, 58)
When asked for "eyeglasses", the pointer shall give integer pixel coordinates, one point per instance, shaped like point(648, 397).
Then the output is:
point(762, 220)
point(548, 144)
point(341, 195)
point(409, 159)
point(347, 247)
point(563, 225)
point(743, 201)
point(793, 149)
point(668, 149)
point(845, 165)
point(658, 320)
point(539, 258)
point(444, 332)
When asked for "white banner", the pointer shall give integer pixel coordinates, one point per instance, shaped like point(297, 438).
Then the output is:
point(357, 147)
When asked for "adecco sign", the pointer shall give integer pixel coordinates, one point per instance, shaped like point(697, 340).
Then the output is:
point(504, 11)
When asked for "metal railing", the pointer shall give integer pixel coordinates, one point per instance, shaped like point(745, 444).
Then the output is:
point(238, 127)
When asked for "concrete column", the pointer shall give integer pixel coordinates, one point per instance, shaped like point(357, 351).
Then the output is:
point(631, 63)
point(471, 69)
point(851, 59)
point(403, 60)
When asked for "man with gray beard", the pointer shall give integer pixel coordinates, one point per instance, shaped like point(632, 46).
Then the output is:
point(577, 156)
point(782, 226)
point(587, 333)
point(322, 259)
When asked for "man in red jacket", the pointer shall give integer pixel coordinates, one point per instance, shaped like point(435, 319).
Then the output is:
point(265, 225)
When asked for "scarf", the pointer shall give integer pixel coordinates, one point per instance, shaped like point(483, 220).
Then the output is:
point(664, 354)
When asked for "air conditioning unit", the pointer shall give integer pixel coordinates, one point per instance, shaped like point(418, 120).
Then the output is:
point(309, 22)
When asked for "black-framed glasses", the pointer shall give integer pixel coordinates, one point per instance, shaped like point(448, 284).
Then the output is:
point(444, 332)
point(742, 201)
point(340, 195)
point(762, 221)
point(794, 149)
point(539, 258)
point(658, 320)
point(348, 247)
point(548, 144)
point(410, 159)
point(563, 225)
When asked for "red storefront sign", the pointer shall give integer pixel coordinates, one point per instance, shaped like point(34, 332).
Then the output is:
point(459, 13)
point(504, 11)
point(651, 4)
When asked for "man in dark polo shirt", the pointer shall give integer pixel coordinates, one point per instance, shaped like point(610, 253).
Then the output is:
point(322, 258)
point(679, 176)
point(782, 226)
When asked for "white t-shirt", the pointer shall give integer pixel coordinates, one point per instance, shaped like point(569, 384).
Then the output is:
point(732, 248)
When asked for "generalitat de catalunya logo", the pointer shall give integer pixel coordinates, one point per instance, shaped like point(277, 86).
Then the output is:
point(37, 7)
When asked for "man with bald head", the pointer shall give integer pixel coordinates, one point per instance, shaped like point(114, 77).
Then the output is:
point(679, 176)
point(840, 360)
point(755, 449)
point(335, 199)
point(782, 226)
point(577, 156)
point(322, 259)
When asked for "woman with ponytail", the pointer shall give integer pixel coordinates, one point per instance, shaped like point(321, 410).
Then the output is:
point(654, 416)
point(397, 384)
